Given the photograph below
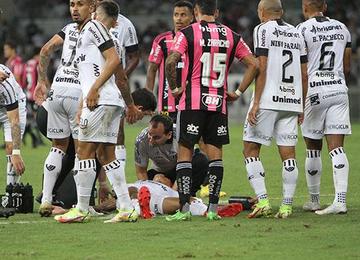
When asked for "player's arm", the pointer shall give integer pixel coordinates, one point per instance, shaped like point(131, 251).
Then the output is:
point(151, 76)
point(141, 172)
point(170, 70)
point(132, 60)
point(46, 51)
point(111, 64)
point(132, 49)
point(14, 119)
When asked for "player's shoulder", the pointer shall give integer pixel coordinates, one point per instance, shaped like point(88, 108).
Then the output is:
point(124, 20)
point(5, 69)
point(162, 36)
point(70, 26)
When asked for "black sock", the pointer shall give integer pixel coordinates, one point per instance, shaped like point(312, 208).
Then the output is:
point(183, 179)
point(216, 172)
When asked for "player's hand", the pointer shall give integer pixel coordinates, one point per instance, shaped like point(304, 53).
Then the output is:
point(18, 164)
point(231, 96)
point(178, 93)
point(133, 114)
point(301, 118)
point(104, 193)
point(92, 99)
point(252, 117)
point(3, 76)
point(40, 93)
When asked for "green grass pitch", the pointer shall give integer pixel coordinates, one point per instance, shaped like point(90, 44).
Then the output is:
point(303, 236)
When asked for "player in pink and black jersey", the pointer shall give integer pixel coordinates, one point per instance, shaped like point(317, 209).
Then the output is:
point(209, 48)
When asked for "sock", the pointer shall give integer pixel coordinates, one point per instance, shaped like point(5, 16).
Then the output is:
point(120, 152)
point(216, 173)
point(290, 175)
point(313, 170)
point(197, 208)
point(256, 176)
point(86, 175)
point(183, 179)
point(340, 165)
point(52, 168)
point(115, 171)
point(11, 176)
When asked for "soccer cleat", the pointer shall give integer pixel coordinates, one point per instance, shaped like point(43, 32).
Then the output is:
point(212, 216)
point(204, 192)
point(311, 206)
point(124, 216)
point(179, 216)
point(230, 210)
point(144, 197)
point(335, 208)
point(262, 209)
point(45, 209)
point(73, 216)
point(284, 211)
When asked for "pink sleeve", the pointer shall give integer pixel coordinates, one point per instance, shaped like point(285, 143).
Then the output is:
point(242, 50)
point(156, 54)
point(180, 43)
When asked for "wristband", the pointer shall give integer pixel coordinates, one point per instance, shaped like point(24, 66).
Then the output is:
point(16, 152)
point(175, 90)
point(238, 92)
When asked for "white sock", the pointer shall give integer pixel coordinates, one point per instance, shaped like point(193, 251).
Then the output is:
point(340, 165)
point(11, 176)
point(198, 208)
point(120, 152)
point(86, 175)
point(256, 176)
point(52, 168)
point(290, 175)
point(115, 172)
point(313, 170)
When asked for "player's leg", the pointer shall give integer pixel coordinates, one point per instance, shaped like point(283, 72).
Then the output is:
point(254, 137)
point(120, 150)
point(200, 166)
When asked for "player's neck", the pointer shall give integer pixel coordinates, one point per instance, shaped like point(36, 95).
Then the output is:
point(315, 14)
point(207, 18)
point(272, 18)
point(80, 26)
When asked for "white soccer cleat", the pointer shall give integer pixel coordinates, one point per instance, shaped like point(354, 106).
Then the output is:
point(335, 208)
point(311, 206)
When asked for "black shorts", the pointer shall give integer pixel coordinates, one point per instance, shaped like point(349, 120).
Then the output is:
point(194, 124)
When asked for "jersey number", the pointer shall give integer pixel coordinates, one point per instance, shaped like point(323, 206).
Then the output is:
point(219, 66)
point(325, 53)
point(287, 63)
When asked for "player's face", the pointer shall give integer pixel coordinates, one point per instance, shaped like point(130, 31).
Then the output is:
point(182, 17)
point(157, 134)
point(8, 51)
point(81, 10)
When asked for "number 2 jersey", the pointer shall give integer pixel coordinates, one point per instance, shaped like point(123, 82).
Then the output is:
point(284, 48)
point(210, 48)
point(326, 41)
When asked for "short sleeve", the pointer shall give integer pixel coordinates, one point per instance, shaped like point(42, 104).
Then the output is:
point(131, 41)
point(303, 50)
point(180, 43)
point(348, 38)
point(261, 40)
point(100, 36)
point(62, 33)
point(156, 53)
point(242, 50)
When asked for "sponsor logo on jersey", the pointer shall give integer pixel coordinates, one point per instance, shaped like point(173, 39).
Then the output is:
point(314, 100)
point(221, 30)
point(321, 29)
point(279, 33)
point(192, 129)
point(55, 131)
point(67, 80)
point(222, 130)
point(96, 70)
point(212, 100)
point(263, 38)
point(71, 72)
point(321, 83)
point(342, 127)
point(286, 100)
point(287, 89)
point(96, 36)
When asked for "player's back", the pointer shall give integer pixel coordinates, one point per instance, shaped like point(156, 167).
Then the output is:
point(10, 90)
point(284, 47)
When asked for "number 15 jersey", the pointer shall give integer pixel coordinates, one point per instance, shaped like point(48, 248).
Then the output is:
point(210, 48)
point(284, 48)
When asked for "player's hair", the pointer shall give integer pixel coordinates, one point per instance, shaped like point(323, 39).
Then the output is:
point(11, 43)
point(163, 119)
point(207, 7)
point(273, 6)
point(145, 98)
point(111, 8)
point(316, 4)
point(184, 3)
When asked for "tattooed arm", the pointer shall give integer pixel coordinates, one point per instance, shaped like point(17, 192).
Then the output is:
point(16, 158)
point(46, 51)
point(170, 70)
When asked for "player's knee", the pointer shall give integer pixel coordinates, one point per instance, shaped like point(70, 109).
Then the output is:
point(251, 150)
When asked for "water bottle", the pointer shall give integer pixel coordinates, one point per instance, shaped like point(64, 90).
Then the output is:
point(28, 199)
point(7, 199)
point(17, 197)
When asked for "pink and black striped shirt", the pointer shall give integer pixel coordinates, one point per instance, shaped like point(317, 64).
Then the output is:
point(210, 48)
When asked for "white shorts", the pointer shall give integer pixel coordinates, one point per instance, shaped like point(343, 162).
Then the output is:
point(281, 125)
point(62, 106)
point(5, 120)
point(326, 114)
point(100, 125)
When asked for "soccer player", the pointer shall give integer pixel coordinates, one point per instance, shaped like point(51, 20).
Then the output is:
point(64, 98)
point(182, 17)
point(102, 108)
point(13, 118)
point(327, 105)
point(14, 62)
point(210, 48)
point(277, 105)
point(157, 144)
